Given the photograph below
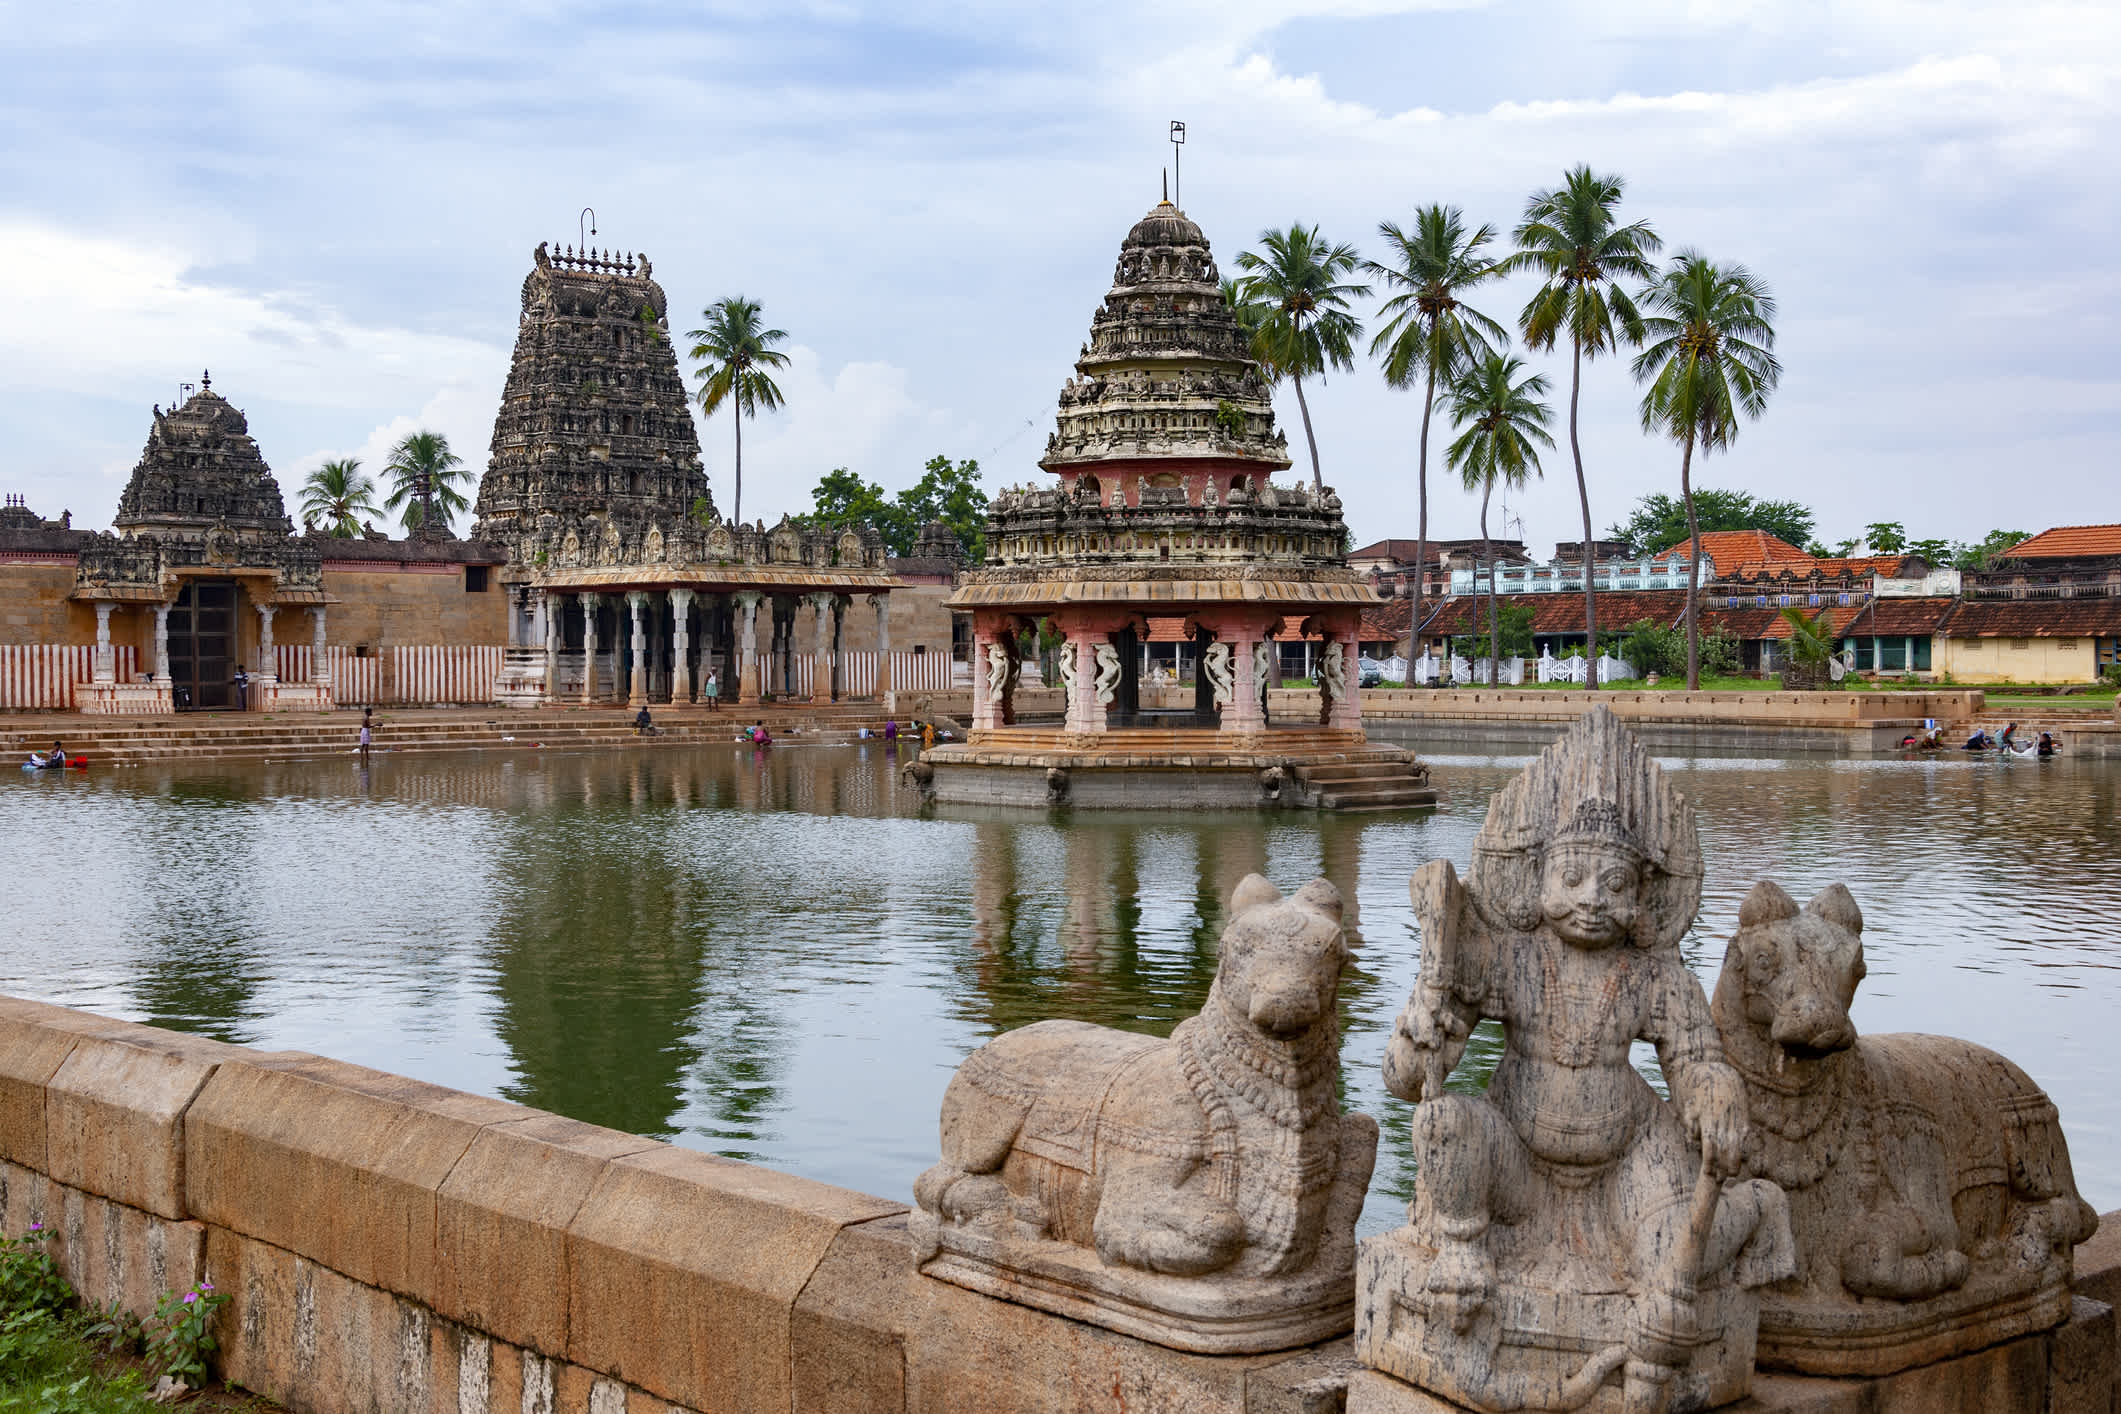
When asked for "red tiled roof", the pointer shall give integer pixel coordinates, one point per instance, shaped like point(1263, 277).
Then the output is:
point(1831, 567)
point(1387, 622)
point(1561, 613)
point(1730, 548)
point(1892, 618)
point(2068, 540)
point(2035, 618)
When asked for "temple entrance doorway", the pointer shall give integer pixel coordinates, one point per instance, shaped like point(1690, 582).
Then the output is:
point(202, 645)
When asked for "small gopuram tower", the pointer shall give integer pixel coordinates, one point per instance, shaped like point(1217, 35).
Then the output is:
point(1164, 507)
point(201, 472)
point(625, 584)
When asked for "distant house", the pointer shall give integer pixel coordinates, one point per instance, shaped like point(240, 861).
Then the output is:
point(1390, 563)
point(2047, 610)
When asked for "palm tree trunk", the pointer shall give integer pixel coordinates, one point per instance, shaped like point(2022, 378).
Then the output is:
point(1487, 552)
point(1317, 481)
point(736, 415)
point(1583, 496)
point(1421, 523)
point(1693, 576)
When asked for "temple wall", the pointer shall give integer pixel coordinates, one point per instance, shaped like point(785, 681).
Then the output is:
point(413, 603)
point(389, 1244)
point(34, 606)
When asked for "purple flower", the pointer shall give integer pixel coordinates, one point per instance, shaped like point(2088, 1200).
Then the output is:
point(36, 1227)
point(190, 1296)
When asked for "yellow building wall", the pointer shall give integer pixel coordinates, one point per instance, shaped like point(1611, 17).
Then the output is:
point(1978, 660)
point(34, 607)
point(415, 604)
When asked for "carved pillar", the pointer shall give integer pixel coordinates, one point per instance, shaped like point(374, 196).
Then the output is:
point(680, 646)
point(637, 693)
point(882, 604)
point(589, 649)
point(106, 661)
point(821, 657)
point(1347, 709)
point(747, 646)
point(1244, 714)
point(319, 665)
point(984, 701)
point(552, 646)
point(162, 643)
point(1085, 713)
point(268, 670)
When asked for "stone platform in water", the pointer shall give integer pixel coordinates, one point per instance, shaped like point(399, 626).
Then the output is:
point(1164, 768)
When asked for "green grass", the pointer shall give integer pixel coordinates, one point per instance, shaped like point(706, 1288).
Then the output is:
point(49, 1364)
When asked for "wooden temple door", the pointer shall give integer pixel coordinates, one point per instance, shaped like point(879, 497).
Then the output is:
point(202, 645)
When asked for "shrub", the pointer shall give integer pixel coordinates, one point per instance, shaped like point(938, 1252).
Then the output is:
point(180, 1333)
point(1650, 647)
point(29, 1280)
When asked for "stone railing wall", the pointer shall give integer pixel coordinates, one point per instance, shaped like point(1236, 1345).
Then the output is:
point(391, 1245)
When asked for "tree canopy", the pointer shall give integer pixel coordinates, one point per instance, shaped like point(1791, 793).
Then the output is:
point(946, 491)
point(1659, 521)
point(423, 472)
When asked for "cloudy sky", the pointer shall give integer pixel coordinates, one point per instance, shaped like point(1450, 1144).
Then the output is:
point(333, 209)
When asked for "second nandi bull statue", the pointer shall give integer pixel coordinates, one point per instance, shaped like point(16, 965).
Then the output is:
point(1200, 1192)
point(1929, 1184)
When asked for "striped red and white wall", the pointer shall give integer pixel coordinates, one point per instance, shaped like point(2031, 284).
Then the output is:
point(41, 676)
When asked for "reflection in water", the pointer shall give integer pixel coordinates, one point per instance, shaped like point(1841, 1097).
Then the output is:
point(777, 955)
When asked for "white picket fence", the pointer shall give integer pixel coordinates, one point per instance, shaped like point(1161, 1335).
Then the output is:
point(41, 676)
point(910, 672)
point(1610, 669)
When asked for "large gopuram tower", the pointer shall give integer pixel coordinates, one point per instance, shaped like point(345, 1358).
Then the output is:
point(1165, 507)
point(594, 417)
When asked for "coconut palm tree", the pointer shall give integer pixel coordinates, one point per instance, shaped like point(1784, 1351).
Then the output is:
point(336, 495)
point(1505, 418)
point(1709, 359)
point(1429, 331)
point(1251, 318)
point(1571, 236)
point(1309, 328)
point(424, 476)
point(734, 351)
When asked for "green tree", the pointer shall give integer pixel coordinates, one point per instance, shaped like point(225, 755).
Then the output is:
point(1505, 417)
point(1659, 521)
point(1708, 360)
point(425, 479)
point(1514, 636)
point(1429, 332)
point(842, 498)
point(1937, 551)
point(951, 494)
point(1252, 317)
point(336, 495)
point(1886, 537)
point(1649, 647)
point(1572, 238)
point(1983, 554)
point(1308, 329)
point(733, 352)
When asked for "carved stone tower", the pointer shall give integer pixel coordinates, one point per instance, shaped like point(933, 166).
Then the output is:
point(1165, 377)
point(201, 470)
point(594, 418)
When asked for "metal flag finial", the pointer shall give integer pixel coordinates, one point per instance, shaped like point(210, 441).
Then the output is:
point(1178, 140)
point(206, 378)
point(588, 218)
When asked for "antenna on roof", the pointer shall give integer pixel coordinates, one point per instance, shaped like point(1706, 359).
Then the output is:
point(1178, 140)
point(589, 218)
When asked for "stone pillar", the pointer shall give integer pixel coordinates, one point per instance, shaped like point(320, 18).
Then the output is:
point(268, 669)
point(106, 661)
point(162, 643)
point(985, 704)
point(821, 658)
point(552, 646)
point(637, 600)
point(589, 649)
point(1086, 714)
point(680, 647)
point(747, 647)
point(1347, 709)
point(1243, 715)
point(882, 604)
point(319, 668)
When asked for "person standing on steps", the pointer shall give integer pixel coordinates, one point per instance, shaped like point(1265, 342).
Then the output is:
point(242, 689)
point(368, 735)
point(713, 691)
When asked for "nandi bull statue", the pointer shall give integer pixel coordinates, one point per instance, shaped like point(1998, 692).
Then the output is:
point(1574, 1242)
point(1200, 1192)
point(1929, 1183)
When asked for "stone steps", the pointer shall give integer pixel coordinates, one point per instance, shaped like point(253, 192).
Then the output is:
point(1368, 786)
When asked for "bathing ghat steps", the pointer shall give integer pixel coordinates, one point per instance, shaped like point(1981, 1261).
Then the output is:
point(1359, 786)
point(236, 736)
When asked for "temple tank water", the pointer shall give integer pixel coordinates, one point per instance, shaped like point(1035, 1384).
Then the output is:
point(776, 956)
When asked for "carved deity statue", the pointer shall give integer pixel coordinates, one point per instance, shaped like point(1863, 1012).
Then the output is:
point(1215, 662)
point(1108, 673)
point(1930, 1189)
point(1200, 1191)
point(1332, 679)
point(1574, 1242)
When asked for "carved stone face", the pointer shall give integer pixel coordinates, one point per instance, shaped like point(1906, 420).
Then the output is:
point(1590, 893)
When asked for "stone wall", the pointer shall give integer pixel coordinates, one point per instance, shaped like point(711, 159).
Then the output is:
point(405, 603)
point(393, 1245)
point(34, 607)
